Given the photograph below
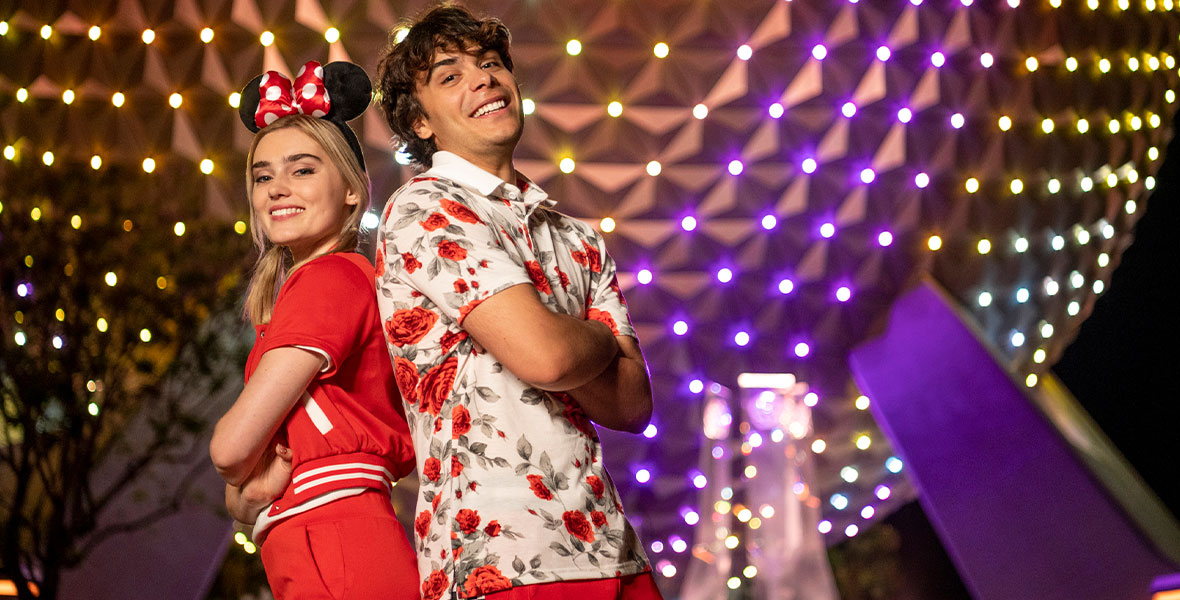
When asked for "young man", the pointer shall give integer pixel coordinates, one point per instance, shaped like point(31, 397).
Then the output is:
point(509, 335)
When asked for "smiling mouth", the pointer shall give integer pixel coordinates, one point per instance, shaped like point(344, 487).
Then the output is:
point(490, 107)
point(282, 212)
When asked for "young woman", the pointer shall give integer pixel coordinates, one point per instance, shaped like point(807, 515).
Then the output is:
point(311, 445)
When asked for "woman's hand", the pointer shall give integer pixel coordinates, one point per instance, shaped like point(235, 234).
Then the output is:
point(264, 485)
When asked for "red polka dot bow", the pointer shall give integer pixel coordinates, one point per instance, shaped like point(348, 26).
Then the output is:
point(279, 98)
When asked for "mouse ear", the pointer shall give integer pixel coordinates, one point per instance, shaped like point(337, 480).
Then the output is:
point(248, 103)
point(349, 87)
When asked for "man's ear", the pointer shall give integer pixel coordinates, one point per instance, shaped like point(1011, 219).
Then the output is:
point(422, 129)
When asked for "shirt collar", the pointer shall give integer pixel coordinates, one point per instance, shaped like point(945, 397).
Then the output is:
point(451, 166)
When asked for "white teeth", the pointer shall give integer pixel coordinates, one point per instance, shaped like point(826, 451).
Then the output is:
point(487, 108)
point(285, 211)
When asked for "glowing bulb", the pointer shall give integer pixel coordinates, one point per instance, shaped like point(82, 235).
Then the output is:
point(775, 110)
point(206, 35)
point(566, 165)
point(885, 239)
point(573, 47)
point(1022, 295)
point(867, 175)
point(67, 96)
point(206, 166)
point(724, 275)
point(607, 224)
point(527, 106)
point(984, 299)
point(971, 185)
point(117, 99)
point(9, 152)
point(1017, 339)
point(47, 158)
point(76, 223)
point(111, 279)
point(175, 100)
point(267, 38)
point(769, 222)
point(614, 109)
point(149, 36)
point(654, 168)
point(1031, 64)
point(843, 293)
point(884, 53)
point(818, 446)
point(96, 162)
point(149, 165)
point(1113, 126)
point(938, 59)
point(1020, 245)
point(958, 120)
point(744, 52)
point(863, 442)
point(905, 115)
point(1039, 356)
point(178, 229)
point(984, 246)
point(827, 230)
point(735, 167)
point(1005, 123)
point(1047, 125)
point(1031, 380)
point(809, 165)
point(1071, 64)
point(934, 243)
point(848, 109)
point(1054, 186)
point(332, 35)
point(986, 60)
point(786, 286)
point(22, 94)
point(802, 349)
point(819, 51)
point(1104, 65)
point(700, 111)
point(660, 50)
point(680, 328)
point(101, 325)
point(46, 31)
point(94, 32)
point(1086, 184)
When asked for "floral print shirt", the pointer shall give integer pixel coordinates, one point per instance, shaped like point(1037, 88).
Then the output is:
point(513, 488)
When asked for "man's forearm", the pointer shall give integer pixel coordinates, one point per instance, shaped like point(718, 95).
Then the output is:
point(590, 348)
point(619, 397)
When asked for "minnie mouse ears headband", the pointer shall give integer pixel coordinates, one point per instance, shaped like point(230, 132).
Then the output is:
point(336, 92)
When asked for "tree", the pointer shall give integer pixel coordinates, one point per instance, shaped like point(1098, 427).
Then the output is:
point(116, 321)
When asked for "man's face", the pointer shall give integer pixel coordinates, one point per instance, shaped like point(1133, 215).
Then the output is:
point(473, 104)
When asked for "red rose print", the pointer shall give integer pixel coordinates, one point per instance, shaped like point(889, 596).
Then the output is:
point(463, 312)
point(483, 264)
point(410, 261)
point(573, 413)
point(579, 256)
point(593, 257)
point(565, 279)
point(437, 425)
point(409, 325)
point(485, 580)
point(451, 251)
point(434, 503)
point(470, 271)
point(435, 585)
point(471, 486)
point(593, 314)
point(598, 518)
point(422, 524)
point(432, 468)
point(460, 286)
point(450, 338)
point(435, 387)
point(379, 261)
point(614, 285)
point(539, 488)
point(456, 466)
point(596, 486)
point(406, 375)
point(538, 277)
point(577, 525)
point(493, 529)
point(468, 520)
point(458, 551)
point(460, 421)
point(434, 221)
point(459, 211)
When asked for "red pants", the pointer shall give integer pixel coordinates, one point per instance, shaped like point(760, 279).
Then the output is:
point(630, 587)
point(351, 548)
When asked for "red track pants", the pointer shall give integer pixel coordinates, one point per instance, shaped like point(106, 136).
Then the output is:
point(631, 587)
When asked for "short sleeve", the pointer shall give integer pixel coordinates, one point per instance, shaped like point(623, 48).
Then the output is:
point(328, 305)
point(438, 245)
point(606, 300)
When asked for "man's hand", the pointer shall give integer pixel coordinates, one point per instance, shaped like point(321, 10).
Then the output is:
point(620, 397)
point(266, 483)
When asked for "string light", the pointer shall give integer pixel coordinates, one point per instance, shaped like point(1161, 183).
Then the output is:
point(207, 166)
point(332, 35)
point(235, 99)
point(266, 38)
point(175, 100)
point(46, 32)
point(573, 47)
point(67, 96)
point(117, 99)
point(149, 165)
point(94, 32)
point(47, 158)
point(607, 224)
point(206, 35)
point(654, 168)
point(934, 243)
point(21, 95)
point(566, 165)
point(614, 109)
point(96, 162)
point(528, 106)
point(660, 50)
point(700, 111)
point(148, 36)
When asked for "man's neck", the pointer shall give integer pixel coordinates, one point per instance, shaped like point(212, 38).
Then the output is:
point(500, 166)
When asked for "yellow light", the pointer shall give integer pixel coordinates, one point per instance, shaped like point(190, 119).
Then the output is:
point(206, 166)
point(1031, 64)
point(1154, 120)
point(862, 403)
point(607, 224)
point(751, 471)
point(96, 162)
point(1055, 3)
point(400, 34)
point(755, 523)
point(722, 507)
point(29, 261)
point(145, 335)
point(22, 94)
point(1005, 123)
point(1093, 4)
point(566, 165)
point(573, 47)
point(149, 36)
point(1104, 65)
point(863, 442)
point(332, 35)
point(744, 514)
point(175, 100)
point(111, 279)
point(1133, 63)
point(1124, 4)
point(750, 571)
point(614, 109)
point(249, 547)
point(3, 27)
point(660, 50)
point(971, 185)
point(934, 243)
point(1039, 356)
point(1169, 61)
point(1112, 180)
point(1031, 380)
point(101, 324)
point(1153, 63)
point(767, 511)
point(1047, 125)
point(732, 542)
point(1083, 126)
point(178, 228)
point(46, 31)
point(1016, 186)
point(117, 99)
point(239, 227)
point(94, 32)
point(161, 282)
point(47, 158)
point(267, 38)
point(984, 246)
point(654, 168)
point(527, 106)
point(149, 165)
point(1071, 64)
point(67, 96)
point(9, 152)
point(59, 314)
point(92, 408)
point(1113, 126)
point(818, 446)
point(206, 35)
point(76, 222)
point(732, 583)
point(35, 214)
point(19, 316)
point(127, 225)
point(235, 99)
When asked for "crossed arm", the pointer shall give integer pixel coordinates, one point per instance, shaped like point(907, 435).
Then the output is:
point(604, 373)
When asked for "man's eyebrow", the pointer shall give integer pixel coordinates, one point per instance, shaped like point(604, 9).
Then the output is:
point(442, 63)
point(262, 164)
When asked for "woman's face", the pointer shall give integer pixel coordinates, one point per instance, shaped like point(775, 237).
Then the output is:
point(299, 198)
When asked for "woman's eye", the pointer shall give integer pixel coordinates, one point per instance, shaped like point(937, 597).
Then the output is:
point(262, 179)
point(305, 171)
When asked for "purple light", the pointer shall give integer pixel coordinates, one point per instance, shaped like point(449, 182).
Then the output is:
point(744, 52)
point(650, 431)
point(922, 180)
point(958, 120)
point(680, 327)
point(688, 223)
point(786, 286)
point(769, 222)
point(802, 349)
point(843, 293)
point(24, 290)
point(938, 59)
point(827, 230)
point(735, 167)
point(699, 481)
point(883, 53)
point(741, 338)
point(643, 476)
point(885, 238)
point(987, 60)
point(882, 492)
point(696, 386)
point(905, 115)
point(819, 51)
point(848, 109)
point(691, 517)
point(775, 110)
point(867, 176)
point(809, 165)
point(724, 275)
point(643, 277)
point(867, 512)
point(916, 2)
point(717, 452)
point(967, 2)
point(811, 399)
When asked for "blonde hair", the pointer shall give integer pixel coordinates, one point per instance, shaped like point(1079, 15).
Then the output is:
point(270, 270)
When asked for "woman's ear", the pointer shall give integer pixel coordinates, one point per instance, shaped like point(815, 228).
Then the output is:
point(351, 198)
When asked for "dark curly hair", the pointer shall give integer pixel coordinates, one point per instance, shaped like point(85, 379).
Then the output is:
point(445, 27)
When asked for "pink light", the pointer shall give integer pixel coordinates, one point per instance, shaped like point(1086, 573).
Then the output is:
point(848, 109)
point(844, 293)
point(802, 349)
point(938, 59)
point(819, 51)
point(883, 53)
point(735, 167)
point(769, 222)
point(882, 492)
point(809, 165)
point(827, 230)
point(867, 175)
point(688, 223)
point(885, 238)
point(987, 60)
